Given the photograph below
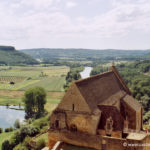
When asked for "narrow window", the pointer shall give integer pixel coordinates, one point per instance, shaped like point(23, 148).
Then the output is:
point(72, 107)
point(57, 123)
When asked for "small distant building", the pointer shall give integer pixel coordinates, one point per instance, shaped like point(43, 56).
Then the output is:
point(99, 112)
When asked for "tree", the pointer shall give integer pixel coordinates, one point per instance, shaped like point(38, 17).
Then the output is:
point(6, 145)
point(1, 130)
point(17, 124)
point(41, 144)
point(34, 99)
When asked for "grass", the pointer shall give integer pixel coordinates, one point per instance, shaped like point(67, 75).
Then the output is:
point(49, 107)
point(34, 71)
point(43, 136)
point(17, 86)
point(5, 136)
point(11, 101)
point(7, 79)
point(52, 78)
point(50, 84)
point(15, 98)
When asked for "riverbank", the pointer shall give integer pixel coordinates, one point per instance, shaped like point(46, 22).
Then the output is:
point(9, 116)
point(53, 98)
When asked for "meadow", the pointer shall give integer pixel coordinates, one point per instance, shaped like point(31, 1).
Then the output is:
point(52, 78)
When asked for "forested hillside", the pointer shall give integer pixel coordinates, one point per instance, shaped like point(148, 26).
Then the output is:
point(9, 56)
point(49, 55)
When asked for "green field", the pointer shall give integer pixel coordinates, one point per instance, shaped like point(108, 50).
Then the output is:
point(52, 78)
point(54, 84)
point(4, 136)
point(4, 100)
point(15, 98)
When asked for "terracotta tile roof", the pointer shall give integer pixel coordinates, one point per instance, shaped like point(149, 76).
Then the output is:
point(102, 89)
point(98, 88)
point(112, 100)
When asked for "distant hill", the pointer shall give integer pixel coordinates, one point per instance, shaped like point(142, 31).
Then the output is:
point(9, 56)
point(47, 54)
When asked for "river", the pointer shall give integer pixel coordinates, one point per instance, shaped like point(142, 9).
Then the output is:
point(86, 72)
point(8, 116)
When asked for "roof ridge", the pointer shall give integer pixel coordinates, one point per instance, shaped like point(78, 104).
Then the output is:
point(115, 71)
point(82, 95)
point(91, 77)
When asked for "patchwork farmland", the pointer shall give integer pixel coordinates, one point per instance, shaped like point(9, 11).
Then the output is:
point(52, 78)
point(14, 81)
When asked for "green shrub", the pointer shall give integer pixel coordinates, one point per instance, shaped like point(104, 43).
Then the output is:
point(25, 145)
point(1, 130)
point(40, 144)
point(17, 137)
point(17, 124)
point(7, 130)
point(20, 147)
point(6, 145)
point(28, 131)
point(29, 120)
point(40, 123)
point(43, 124)
point(11, 129)
point(26, 142)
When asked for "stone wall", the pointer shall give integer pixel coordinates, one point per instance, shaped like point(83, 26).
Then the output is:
point(129, 114)
point(79, 139)
point(74, 100)
point(138, 120)
point(96, 141)
point(84, 122)
point(58, 120)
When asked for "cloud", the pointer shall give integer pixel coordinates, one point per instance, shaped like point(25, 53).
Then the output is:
point(71, 4)
point(37, 3)
point(38, 21)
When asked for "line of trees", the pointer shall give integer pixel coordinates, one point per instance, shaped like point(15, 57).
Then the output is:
point(72, 75)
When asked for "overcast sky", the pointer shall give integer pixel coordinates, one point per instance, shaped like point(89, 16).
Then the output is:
point(98, 24)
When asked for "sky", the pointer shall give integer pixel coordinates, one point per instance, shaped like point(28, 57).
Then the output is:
point(93, 24)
